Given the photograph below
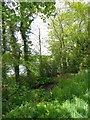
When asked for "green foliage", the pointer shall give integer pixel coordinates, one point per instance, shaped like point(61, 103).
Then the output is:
point(69, 99)
point(69, 45)
point(19, 95)
point(69, 37)
point(14, 95)
point(41, 110)
point(66, 89)
point(18, 18)
point(77, 108)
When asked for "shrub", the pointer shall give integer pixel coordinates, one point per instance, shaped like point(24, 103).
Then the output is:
point(41, 110)
point(66, 88)
point(69, 99)
point(77, 108)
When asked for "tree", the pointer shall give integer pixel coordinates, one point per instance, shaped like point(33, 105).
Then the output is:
point(69, 36)
point(11, 48)
point(19, 17)
point(28, 9)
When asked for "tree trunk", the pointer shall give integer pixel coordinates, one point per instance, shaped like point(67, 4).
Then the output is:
point(40, 54)
point(16, 54)
point(26, 56)
point(4, 47)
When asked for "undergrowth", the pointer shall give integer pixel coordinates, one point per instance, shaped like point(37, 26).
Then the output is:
point(68, 99)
